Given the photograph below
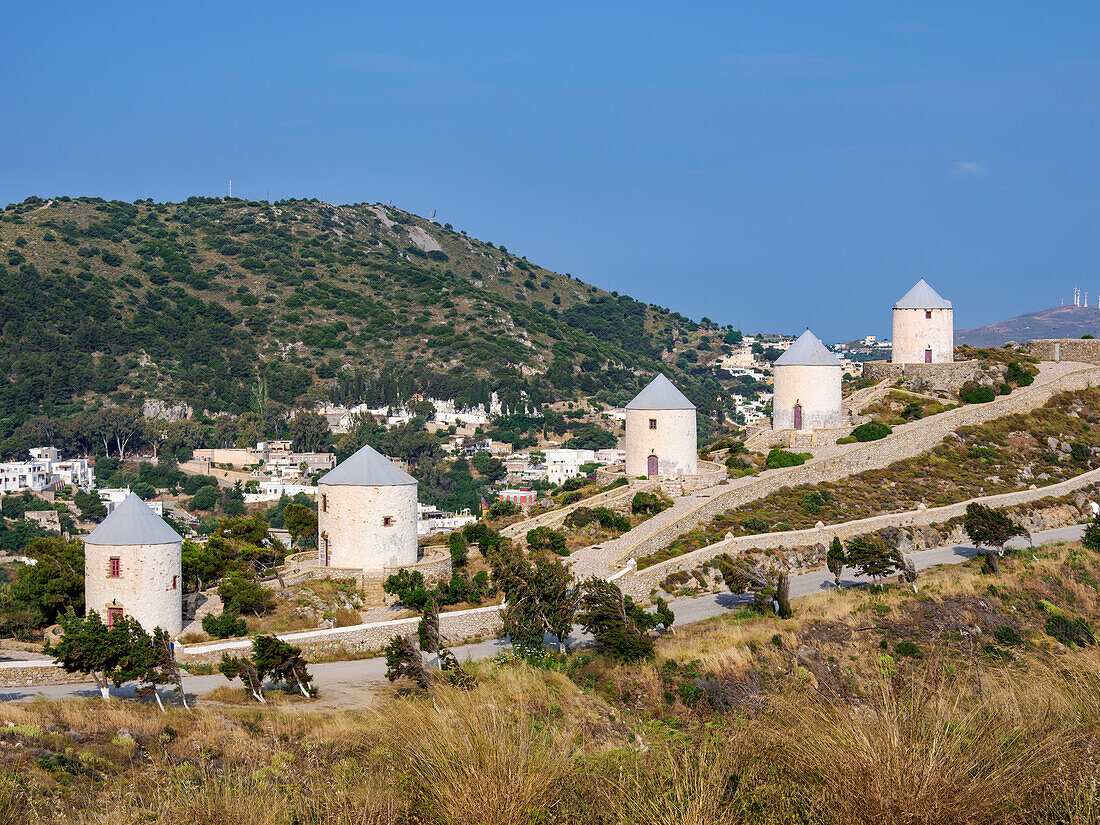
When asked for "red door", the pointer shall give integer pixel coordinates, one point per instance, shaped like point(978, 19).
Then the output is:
point(798, 416)
point(651, 466)
point(113, 615)
point(928, 356)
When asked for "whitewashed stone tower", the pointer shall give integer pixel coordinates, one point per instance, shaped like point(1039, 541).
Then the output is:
point(133, 567)
point(807, 387)
point(366, 514)
point(924, 327)
point(661, 432)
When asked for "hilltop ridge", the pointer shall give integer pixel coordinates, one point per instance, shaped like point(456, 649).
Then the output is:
point(205, 301)
point(1056, 322)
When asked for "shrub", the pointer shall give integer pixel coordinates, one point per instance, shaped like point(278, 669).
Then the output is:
point(871, 431)
point(574, 483)
point(782, 458)
point(909, 649)
point(459, 549)
point(205, 499)
point(754, 524)
point(503, 509)
point(1005, 635)
point(241, 594)
point(225, 626)
point(974, 393)
point(1070, 632)
point(648, 503)
point(995, 653)
point(848, 439)
point(580, 518)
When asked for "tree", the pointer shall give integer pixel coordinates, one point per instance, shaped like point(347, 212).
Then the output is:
point(241, 667)
point(1091, 539)
point(54, 584)
point(456, 543)
point(119, 425)
point(539, 596)
point(409, 587)
point(619, 626)
point(403, 659)
point(990, 528)
point(281, 662)
point(835, 559)
point(90, 504)
point(161, 668)
point(310, 431)
point(301, 523)
point(428, 629)
point(107, 654)
point(546, 538)
point(871, 557)
point(225, 626)
point(769, 586)
point(241, 594)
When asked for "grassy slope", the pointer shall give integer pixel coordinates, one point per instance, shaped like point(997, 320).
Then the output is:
point(193, 301)
point(744, 718)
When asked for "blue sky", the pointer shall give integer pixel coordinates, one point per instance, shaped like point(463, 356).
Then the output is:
point(770, 165)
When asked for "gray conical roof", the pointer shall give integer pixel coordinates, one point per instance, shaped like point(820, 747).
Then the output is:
point(660, 394)
point(807, 351)
point(922, 296)
point(130, 523)
point(367, 468)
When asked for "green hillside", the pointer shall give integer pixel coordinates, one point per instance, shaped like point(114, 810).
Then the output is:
point(205, 301)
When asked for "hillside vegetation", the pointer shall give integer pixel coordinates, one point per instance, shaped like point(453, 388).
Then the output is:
point(965, 702)
point(213, 302)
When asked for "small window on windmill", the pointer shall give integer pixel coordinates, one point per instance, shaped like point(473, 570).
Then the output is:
point(116, 568)
point(324, 502)
point(653, 423)
point(387, 521)
point(928, 315)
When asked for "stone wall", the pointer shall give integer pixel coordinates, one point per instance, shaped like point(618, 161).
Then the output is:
point(456, 628)
point(948, 377)
point(28, 674)
point(906, 441)
point(1083, 350)
point(610, 498)
point(639, 583)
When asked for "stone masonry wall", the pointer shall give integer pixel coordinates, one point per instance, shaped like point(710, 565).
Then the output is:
point(951, 375)
point(639, 583)
point(455, 627)
point(906, 441)
point(1084, 350)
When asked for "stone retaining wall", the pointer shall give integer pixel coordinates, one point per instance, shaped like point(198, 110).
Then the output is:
point(28, 674)
point(906, 441)
point(455, 627)
point(639, 583)
point(946, 376)
point(1084, 350)
point(555, 518)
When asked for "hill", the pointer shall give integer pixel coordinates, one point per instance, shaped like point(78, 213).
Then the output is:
point(1057, 322)
point(211, 301)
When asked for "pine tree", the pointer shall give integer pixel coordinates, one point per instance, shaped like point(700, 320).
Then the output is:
point(836, 559)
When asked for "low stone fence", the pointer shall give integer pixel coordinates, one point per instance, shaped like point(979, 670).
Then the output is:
point(906, 441)
point(435, 565)
point(640, 583)
point(455, 627)
point(948, 377)
point(555, 518)
point(1084, 350)
point(710, 473)
point(28, 674)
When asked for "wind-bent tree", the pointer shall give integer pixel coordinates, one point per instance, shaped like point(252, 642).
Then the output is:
point(161, 669)
point(403, 659)
point(428, 630)
point(89, 647)
point(619, 626)
point(990, 528)
point(539, 594)
point(769, 585)
point(241, 667)
point(871, 557)
point(282, 663)
point(835, 559)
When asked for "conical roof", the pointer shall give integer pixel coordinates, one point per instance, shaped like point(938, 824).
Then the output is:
point(367, 468)
point(660, 394)
point(130, 523)
point(807, 351)
point(922, 296)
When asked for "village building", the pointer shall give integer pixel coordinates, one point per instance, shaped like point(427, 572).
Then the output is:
point(45, 471)
point(133, 567)
point(366, 514)
point(924, 331)
point(807, 392)
point(661, 435)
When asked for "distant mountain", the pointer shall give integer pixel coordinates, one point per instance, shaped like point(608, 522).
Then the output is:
point(1058, 322)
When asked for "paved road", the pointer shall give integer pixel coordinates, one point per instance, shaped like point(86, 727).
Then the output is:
point(351, 683)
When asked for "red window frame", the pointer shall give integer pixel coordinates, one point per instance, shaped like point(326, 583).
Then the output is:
point(114, 569)
point(113, 615)
point(653, 423)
